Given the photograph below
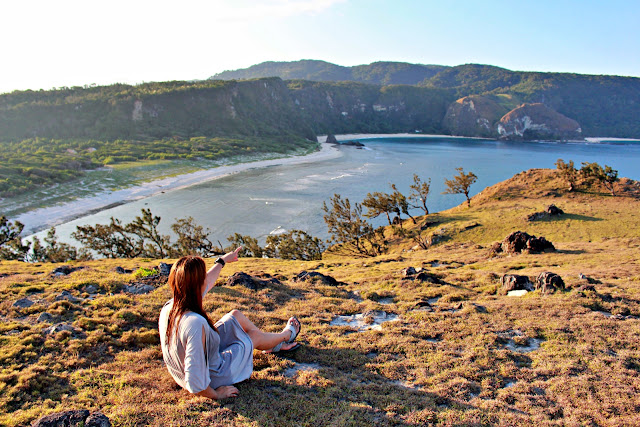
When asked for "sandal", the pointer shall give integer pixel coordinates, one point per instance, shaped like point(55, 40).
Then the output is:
point(292, 338)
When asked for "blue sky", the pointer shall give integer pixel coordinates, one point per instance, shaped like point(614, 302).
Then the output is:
point(50, 44)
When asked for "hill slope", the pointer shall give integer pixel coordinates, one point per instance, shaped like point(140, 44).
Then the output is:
point(458, 352)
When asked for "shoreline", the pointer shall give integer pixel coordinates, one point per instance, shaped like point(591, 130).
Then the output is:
point(41, 219)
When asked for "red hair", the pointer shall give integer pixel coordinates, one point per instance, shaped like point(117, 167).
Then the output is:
point(185, 281)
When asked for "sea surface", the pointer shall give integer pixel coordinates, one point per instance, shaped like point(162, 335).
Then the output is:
point(258, 202)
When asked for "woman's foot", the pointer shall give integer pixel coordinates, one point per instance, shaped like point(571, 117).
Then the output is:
point(293, 327)
point(296, 328)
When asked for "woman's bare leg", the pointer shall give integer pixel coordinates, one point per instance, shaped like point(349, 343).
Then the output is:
point(262, 340)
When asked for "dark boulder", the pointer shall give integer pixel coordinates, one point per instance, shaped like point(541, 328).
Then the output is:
point(23, 303)
point(66, 295)
point(64, 270)
point(315, 277)
point(73, 418)
point(243, 279)
point(514, 282)
point(331, 139)
point(423, 276)
point(44, 317)
point(549, 282)
point(121, 270)
point(409, 271)
point(164, 269)
point(554, 210)
point(519, 241)
point(353, 143)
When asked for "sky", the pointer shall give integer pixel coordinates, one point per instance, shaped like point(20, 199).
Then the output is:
point(48, 44)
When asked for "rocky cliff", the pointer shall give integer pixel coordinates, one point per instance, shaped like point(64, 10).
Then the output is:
point(473, 115)
point(537, 121)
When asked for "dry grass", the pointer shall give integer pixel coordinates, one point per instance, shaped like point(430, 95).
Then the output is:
point(454, 365)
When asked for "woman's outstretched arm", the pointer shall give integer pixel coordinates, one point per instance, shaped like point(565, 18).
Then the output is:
point(214, 272)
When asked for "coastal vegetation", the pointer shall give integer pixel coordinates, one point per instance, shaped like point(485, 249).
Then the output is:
point(439, 343)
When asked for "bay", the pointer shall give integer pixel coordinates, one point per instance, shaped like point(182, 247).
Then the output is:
point(274, 199)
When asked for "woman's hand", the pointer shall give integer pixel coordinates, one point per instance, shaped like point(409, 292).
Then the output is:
point(231, 256)
point(226, 391)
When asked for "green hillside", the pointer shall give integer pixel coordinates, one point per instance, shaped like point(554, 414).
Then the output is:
point(446, 347)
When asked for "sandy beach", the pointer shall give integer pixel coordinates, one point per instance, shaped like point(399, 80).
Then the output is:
point(43, 218)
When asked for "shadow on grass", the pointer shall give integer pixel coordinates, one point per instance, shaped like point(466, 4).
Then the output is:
point(339, 387)
point(574, 217)
point(571, 251)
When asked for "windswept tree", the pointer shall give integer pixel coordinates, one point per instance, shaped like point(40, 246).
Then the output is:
point(193, 239)
point(145, 226)
point(568, 172)
point(460, 184)
point(250, 246)
point(111, 240)
point(419, 193)
point(54, 251)
point(401, 204)
point(378, 203)
point(11, 245)
point(350, 231)
point(605, 176)
point(295, 245)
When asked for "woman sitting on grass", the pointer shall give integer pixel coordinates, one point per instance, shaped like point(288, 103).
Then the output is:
point(204, 358)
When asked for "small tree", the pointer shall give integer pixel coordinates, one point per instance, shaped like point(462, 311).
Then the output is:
point(192, 239)
point(350, 231)
point(295, 244)
point(11, 246)
point(605, 176)
point(111, 241)
point(460, 184)
point(54, 251)
point(568, 172)
point(401, 204)
point(250, 246)
point(419, 193)
point(145, 227)
point(378, 203)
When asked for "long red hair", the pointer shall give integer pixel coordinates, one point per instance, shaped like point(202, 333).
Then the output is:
point(185, 281)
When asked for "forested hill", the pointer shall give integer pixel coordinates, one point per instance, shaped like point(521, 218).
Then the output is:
point(603, 105)
point(381, 73)
point(153, 111)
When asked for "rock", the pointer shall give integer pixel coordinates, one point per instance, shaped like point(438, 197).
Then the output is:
point(473, 115)
point(23, 303)
point(244, 279)
point(73, 418)
point(64, 270)
point(353, 143)
point(97, 419)
point(537, 121)
point(66, 295)
point(91, 289)
point(549, 282)
point(315, 277)
point(331, 139)
point(586, 288)
point(164, 269)
point(590, 280)
point(423, 305)
point(554, 210)
point(496, 248)
point(423, 276)
point(63, 419)
point(409, 271)
point(476, 307)
point(518, 293)
point(44, 317)
point(121, 270)
point(515, 282)
point(138, 288)
point(519, 241)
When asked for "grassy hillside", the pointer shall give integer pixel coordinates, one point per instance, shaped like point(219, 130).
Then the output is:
point(472, 359)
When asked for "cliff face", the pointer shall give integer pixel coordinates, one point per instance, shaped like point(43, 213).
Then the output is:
point(474, 115)
point(537, 121)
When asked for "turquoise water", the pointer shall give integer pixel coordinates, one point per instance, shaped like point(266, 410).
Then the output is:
point(262, 201)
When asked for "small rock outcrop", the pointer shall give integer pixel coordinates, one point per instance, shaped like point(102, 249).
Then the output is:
point(23, 303)
point(137, 288)
point(549, 282)
point(514, 282)
point(552, 210)
point(44, 317)
point(331, 139)
point(353, 144)
point(519, 241)
point(121, 270)
point(315, 277)
point(164, 269)
point(426, 277)
point(66, 296)
point(64, 270)
point(537, 121)
point(409, 271)
point(73, 418)
point(251, 282)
